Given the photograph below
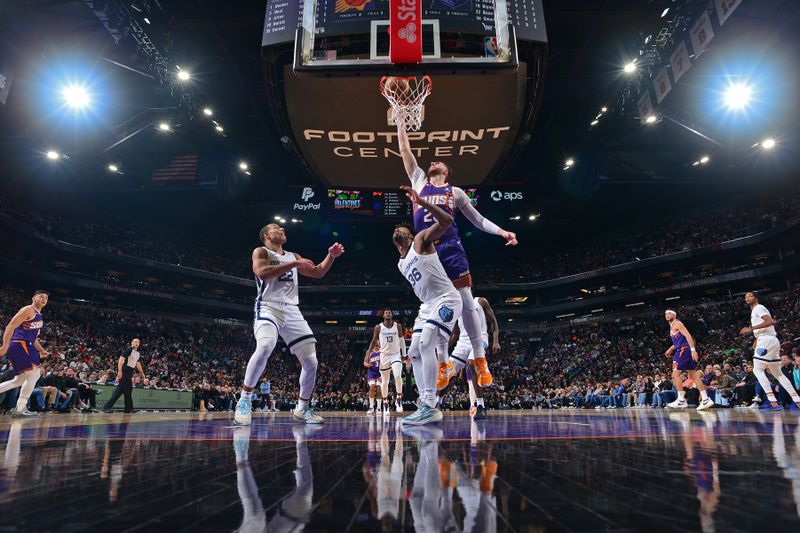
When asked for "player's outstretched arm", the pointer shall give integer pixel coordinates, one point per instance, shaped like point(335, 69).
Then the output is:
point(478, 220)
point(263, 270)
point(26, 313)
point(425, 238)
point(319, 271)
point(409, 161)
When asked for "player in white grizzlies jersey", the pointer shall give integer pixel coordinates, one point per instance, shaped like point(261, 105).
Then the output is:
point(464, 356)
point(389, 334)
point(276, 313)
point(441, 303)
point(767, 354)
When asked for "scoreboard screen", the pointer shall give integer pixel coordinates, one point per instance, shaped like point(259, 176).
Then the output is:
point(391, 204)
point(348, 17)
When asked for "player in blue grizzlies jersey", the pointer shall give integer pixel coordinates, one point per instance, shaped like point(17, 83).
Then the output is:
point(21, 345)
point(372, 362)
point(684, 359)
point(434, 187)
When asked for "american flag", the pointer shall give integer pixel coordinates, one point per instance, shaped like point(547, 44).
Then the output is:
point(181, 168)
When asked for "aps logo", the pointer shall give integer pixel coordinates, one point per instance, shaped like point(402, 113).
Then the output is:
point(509, 196)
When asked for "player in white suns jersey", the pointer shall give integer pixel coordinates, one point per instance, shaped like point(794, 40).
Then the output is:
point(276, 313)
point(767, 354)
point(441, 304)
point(389, 335)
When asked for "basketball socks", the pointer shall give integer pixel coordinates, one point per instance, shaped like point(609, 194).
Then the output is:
point(681, 394)
point(704, 394)
point(302, 404)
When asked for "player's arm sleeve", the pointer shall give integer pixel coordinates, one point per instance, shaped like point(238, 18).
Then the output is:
point(477, 220)
point(418, 179)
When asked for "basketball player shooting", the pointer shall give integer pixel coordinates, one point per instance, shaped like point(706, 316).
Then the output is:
point(434, 188)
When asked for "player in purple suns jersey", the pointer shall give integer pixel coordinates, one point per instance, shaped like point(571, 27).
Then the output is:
point(433, 186)
point(372, 362)
point(21, 344)
point(684, 359)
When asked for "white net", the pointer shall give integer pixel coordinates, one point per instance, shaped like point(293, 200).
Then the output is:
point(406, 96)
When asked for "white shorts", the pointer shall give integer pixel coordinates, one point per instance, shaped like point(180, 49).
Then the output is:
point(289, 322)
point(768, 349)
point(388, 360)
point(376, 382)
point(442, 314)
point(463, 350)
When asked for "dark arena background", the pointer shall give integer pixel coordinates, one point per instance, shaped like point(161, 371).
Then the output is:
point(630, 172)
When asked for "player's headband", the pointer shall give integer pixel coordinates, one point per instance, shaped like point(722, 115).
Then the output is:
point(670, 311)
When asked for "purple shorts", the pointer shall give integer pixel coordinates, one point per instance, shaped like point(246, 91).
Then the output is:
point(454, 260)
point(23, 356)
point(682, 359)
point(373, 375)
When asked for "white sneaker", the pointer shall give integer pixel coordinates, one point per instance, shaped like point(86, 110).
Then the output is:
point(680, 403)
point(399, 407)
point(307, 415)
point(243, 415)
point(370, 411)
point(754, 405)
point(705, 404)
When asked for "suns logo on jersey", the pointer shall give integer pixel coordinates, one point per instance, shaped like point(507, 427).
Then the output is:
point(34, 325)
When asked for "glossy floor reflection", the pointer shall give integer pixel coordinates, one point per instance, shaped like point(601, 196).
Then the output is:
point(534, 471)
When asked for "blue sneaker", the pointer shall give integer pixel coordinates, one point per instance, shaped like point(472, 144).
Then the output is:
point(771, 406)
point(243, 413)
point(307, 415)
point(423, 415)
point(795, 406)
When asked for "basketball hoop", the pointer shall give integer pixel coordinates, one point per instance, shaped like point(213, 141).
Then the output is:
point(406, 96)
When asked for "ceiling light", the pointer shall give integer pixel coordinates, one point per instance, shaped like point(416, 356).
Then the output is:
point(737, 96)
point(664, 13)
point(595, 122)
point(53, 155)
point(208, 112)
point(569, 162)
point(705, 159)
point(75, 96)
point(768, 144)
point(146, 20)
point(183, 75)
point(603, 109)
point(276, 217)
point(532, 217)
point(219, 128)
point(651, 119)
point(630, 68)
point(164, 126)
point(113, 168)
point(243, 166)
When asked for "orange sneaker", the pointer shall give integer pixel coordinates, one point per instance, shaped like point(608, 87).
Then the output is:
point(446, 371)
point(484, 376)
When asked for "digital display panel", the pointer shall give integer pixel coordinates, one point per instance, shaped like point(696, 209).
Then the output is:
point(347, 17)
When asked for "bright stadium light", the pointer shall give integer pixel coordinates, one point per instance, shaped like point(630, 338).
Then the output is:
point(208, 112)
point(113, 168)
point(651, 119)
point(768, 144)
point(53, 155)
point(76, 96)
point(630, 67)
point(705, 159)
point(595, 122)
point(184, 75)
point(243, 166)
point(664, 13)
point(532, 217)
point(219, 128)
point(604, 109)
point(569, 162)
point(737, 96)
point(163, 126)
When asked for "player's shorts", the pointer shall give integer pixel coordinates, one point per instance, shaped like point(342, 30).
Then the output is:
point(462, 352)
point(289, 322)
point(768, 349)
point(441, 314)
point(682, 359)
point(454, 260)
point(388, 360)
point(23, 356)
point(376, 381)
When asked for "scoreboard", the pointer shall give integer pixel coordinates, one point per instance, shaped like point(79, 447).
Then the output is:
point(373, 203)
point(349, 17)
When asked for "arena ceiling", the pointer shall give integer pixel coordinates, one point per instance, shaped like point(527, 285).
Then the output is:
point(619, 161)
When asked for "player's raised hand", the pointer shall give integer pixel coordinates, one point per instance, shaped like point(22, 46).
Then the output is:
point(509, 236)
point(411, 194)
point(336, 249)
